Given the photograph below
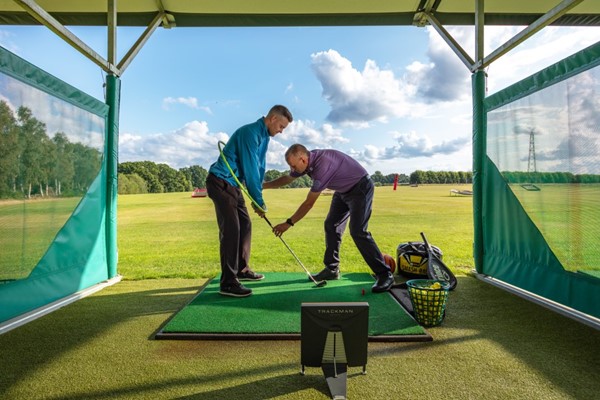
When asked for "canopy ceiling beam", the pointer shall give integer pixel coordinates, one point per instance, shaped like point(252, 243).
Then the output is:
point(460, 52)
point(137, 46)
point(111, 23)
point(51, 23)
point(109, 66)
point(426, 14)
point(168, 20)
point(545, 20)
point(479, 30)
point(424, 8)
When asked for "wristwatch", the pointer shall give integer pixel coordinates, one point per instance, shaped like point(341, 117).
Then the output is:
point(289, 222)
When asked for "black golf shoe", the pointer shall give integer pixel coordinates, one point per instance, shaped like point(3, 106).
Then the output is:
point(327, 274)
point(235, 290)
point(384, 283)
point(249, 275)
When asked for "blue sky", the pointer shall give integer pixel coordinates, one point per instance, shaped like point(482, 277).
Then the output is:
point(396, 98)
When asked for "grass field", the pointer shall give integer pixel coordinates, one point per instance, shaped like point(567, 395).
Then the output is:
point(492, 345)
point(27, 228)
point(567, 216)
point(174, 235)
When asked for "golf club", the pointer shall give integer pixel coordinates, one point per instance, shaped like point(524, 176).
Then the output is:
point(318, 284)
point(436, 269)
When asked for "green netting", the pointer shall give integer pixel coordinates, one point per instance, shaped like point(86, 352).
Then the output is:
point(52, 188)
point(541, 183)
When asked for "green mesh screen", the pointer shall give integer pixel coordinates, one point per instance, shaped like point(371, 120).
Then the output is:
point(541, 183)
point(547, 147)
point(52, 188)
point(51, 152)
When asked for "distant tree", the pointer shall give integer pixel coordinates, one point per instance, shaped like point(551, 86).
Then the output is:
point(389, 179)
point(273, 174)
point(418, 177)
point(9, 151)
point(173, 180)
point(403, 178)
point(159, 178)
point(64, 168)
point(32, 137)
point(196, 175)
point(131, 184)
point(301, 182)
point(378, 177)
point(147, 170)
point(87, 162)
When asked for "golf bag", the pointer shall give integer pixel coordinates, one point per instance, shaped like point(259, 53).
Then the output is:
point(411, 259)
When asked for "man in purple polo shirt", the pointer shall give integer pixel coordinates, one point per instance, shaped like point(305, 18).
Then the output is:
point(353, 199)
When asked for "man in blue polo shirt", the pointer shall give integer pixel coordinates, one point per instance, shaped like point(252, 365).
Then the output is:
point(353, 199)
point(245, 153)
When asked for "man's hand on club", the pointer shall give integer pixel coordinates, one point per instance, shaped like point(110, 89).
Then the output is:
point(258, 211)
point(279, 230)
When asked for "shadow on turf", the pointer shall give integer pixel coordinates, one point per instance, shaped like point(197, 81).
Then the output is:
point(521, 328)
point(568, 355)
point(257, 390)
point(269, 388)
point(81, 322)
point(39, 342)
point(265, 388)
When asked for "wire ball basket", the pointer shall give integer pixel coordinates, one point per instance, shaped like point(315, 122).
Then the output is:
point(428, 298)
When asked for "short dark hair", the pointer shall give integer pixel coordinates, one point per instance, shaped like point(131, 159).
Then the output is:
point(281, 110)
point(296, 149)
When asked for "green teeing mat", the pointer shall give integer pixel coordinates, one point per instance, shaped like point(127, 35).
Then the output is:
point(273, 310)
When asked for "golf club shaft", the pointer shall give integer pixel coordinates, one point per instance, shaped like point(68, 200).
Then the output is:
point(294, 254)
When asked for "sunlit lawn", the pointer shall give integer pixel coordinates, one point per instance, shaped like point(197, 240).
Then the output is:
point(175, 235)
point(491, 345)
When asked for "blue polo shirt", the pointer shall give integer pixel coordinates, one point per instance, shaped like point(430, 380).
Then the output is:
point(246, 153)
point(332, 169)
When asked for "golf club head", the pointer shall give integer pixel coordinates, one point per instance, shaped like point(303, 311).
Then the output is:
point(321, 284)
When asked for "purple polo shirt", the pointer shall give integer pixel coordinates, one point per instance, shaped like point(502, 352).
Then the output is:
point(332, 169)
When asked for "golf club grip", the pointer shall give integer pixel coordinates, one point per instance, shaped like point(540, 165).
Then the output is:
point(426, 242)
point(441, 269)
point(430, 256)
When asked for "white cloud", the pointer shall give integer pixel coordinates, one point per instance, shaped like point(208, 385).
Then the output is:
point(444, 77)
point(545, 48)
point(289, 87)
point(308, 133)
point(191, 144)
point(276, 155)
point(190, 102)
point(194, 144)
point(360, 97)
point(410, 145)
point(57, 115)
point(305, 132)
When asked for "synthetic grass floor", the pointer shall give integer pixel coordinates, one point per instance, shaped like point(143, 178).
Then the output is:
point(274, 307)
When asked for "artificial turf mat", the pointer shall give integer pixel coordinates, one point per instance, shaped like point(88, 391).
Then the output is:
point(273, 310)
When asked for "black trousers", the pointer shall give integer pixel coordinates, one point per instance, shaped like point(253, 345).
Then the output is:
point(354, 205)
point(235, 227)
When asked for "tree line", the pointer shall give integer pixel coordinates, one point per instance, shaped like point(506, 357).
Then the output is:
point(148, 177)
point(33, 164)
point(520, 177)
